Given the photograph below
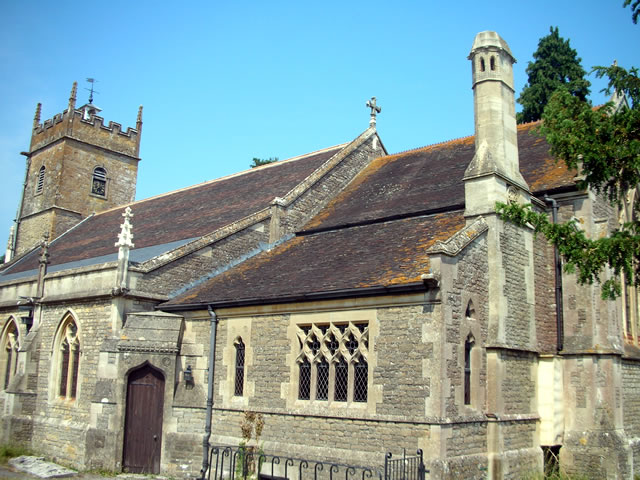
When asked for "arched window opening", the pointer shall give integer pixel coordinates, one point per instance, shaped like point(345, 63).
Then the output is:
point(9, 353)
point(40, 184)
point(471, 311)
point(492, 63)
point(67, 359)
point(468, 347)
point(332, 362)
point(239, 384)
point(99, 183)
point(482, 68)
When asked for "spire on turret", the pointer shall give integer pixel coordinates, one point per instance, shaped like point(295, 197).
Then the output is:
point(139, 119)
point(36, 118)
point(72, 97)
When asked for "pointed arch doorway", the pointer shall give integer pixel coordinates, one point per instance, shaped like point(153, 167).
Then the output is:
point(143, 421)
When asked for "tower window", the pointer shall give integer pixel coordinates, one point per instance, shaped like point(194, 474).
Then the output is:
point(492, 63)
point(482, 65)
point(99, 183)
point(40, 184)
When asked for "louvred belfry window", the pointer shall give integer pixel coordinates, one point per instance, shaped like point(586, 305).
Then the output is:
point(332, 362)
point(40, 183)
point(99, 182)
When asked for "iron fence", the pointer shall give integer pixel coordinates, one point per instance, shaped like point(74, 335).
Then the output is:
point(405, 468)
point(251, 463)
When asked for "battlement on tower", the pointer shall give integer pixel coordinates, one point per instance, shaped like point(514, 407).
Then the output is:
point(89, 129)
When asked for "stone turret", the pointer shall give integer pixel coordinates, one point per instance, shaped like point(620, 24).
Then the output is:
point(494, 172)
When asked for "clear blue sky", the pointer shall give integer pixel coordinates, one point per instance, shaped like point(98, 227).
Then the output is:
point(223, 82)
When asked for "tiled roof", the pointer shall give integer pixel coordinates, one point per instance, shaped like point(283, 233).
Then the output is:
point(350, 245)
point(430, 179)
point(376, 255)
point(184, 214)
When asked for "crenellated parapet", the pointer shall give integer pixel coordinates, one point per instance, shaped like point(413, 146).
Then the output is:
point(88, 128)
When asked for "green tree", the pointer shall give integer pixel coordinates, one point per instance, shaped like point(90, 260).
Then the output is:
point(555, 64)
point(604, 146)
point(635, 8)
point(257, 162)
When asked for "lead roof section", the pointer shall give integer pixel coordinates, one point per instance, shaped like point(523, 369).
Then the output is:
point(376, 232)
point(184, 214)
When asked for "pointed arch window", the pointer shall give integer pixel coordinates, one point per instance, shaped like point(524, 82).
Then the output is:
point(9, 353)
point(492, 63)
point(468, 346)
point(40, 183)
point(332, 362)
point(239, 382)
point(67, 359)
point(482, 68)
point(99, 182)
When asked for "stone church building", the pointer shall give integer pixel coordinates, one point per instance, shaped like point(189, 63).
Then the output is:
point(362, 302)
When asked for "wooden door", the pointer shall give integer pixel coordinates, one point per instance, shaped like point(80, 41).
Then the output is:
point(143, 421)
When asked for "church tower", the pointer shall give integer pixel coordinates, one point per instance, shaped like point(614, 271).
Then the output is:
point(494, 173)
point(76, 166)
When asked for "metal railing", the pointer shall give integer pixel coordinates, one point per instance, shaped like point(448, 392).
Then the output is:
point(251, 463)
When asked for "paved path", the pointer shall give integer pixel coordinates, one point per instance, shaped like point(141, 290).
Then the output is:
point(7, 472)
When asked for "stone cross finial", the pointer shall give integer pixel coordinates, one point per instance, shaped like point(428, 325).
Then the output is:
point(374, 110)
point(125, 236)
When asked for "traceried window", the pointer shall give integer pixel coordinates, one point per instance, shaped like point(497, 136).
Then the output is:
point(9, 353)
point(332, 362)
point(99, 183)
point(40, 183)
point(67, 359)
point(239, 381)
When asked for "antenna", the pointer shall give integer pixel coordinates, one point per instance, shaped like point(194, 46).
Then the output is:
point(92, 81)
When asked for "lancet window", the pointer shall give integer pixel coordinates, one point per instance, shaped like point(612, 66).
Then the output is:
point(67, 359)
point(9, 353)
point(239, 381)
point(332, 362)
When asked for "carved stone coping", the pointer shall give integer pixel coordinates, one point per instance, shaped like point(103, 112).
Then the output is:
point(327, 166)
point(459, 240)
point(216, 236)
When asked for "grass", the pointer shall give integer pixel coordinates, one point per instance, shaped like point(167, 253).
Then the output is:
point(8, 451)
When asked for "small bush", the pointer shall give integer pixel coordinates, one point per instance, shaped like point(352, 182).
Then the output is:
point(8, 451)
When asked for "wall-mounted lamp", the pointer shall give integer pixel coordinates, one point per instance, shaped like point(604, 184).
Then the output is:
point(188, 377)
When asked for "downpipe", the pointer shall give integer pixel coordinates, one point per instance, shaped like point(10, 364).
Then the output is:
point(558, 269)
point(207, 428)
